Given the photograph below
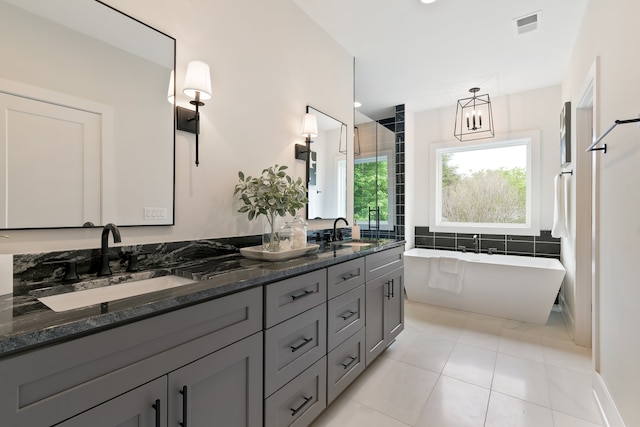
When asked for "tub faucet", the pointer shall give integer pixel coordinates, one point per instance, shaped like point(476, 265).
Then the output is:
point(476, 245)
point(335, 232)
point(104, 248)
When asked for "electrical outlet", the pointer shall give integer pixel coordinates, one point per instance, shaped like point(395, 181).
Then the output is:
point(155, 213)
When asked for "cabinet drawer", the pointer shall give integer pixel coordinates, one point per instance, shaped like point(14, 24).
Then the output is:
point(293, 345)
point(300, 401)
point(48, 385)
point(383, 262)
point(344, 277)
point(345, 315)
point(344, 364)
point(287, 298)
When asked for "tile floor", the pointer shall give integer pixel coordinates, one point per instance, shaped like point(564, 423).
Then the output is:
point(450, 368)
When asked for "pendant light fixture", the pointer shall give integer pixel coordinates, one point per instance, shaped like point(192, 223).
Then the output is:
point(474, 118)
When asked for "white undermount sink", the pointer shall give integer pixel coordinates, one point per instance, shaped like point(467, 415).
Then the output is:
point(79, 299)
point(355, 244)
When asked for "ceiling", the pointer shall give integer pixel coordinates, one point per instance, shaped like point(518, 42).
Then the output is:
point(429, 55)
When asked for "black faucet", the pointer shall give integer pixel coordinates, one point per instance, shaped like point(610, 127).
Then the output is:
point(104, 248)
point(335, 233)
point(476, 245)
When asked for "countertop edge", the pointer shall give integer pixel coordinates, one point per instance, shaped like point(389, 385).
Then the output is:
point(27, 341)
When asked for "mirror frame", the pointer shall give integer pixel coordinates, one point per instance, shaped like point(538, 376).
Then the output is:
point(344, 128)
point(104, 215)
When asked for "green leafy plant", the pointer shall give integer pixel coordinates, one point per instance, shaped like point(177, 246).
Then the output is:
point(272, 194)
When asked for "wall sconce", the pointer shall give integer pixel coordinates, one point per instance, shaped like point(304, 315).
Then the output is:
point(469, 117)
point(197, 86)
point(309, 130)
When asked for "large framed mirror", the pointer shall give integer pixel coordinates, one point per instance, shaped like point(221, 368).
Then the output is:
point(327, 173)
point(87, 128)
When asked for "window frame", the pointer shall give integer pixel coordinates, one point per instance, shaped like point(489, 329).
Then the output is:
point(531, 226)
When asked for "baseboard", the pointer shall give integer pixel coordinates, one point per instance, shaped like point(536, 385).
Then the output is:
point(567, 318)
point(608, 408)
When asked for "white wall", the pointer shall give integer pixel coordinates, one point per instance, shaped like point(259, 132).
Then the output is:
point(268, 62)
point(532, 110)
point(609, 31)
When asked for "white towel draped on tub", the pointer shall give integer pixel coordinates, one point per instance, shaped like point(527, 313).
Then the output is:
point(560, 209)
point(446, 274)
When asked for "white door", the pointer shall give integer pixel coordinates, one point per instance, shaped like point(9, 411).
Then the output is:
point(57, 148)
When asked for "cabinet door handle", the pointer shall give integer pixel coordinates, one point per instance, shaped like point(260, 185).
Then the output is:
point(295, 411)
point(349, 315)
point(156, 407)
point(349, 276)
point(350, 362)
point(388, 283)
point(183, 392)
point(302, 295)
point(391, 286)
point(298, 347)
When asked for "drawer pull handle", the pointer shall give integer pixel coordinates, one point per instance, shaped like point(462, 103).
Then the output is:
point(295, 411)
point(390, 292)
point(350, 362)
point(349, 276)
point(349, 315)
point(302, 295)
point(183, 392)
point(298, 347)
point(156, 407)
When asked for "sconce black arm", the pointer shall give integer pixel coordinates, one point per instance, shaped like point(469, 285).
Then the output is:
point(189, 121)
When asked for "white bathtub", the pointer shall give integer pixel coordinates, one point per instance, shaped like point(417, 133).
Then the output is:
point(513, 287)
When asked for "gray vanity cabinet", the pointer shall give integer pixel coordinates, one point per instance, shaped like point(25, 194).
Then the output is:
point(224, 388)
point(384, 301)
point(295, 349)
point(47, 386)
point(144, 406)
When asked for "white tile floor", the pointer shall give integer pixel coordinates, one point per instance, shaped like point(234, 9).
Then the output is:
point(450, 368)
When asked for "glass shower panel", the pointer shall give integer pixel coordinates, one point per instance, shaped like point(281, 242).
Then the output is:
point(374, 178)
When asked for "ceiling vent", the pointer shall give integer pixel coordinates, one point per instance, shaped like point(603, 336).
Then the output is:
point(528, 23)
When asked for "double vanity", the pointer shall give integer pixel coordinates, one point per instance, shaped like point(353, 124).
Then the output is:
point(244, 343)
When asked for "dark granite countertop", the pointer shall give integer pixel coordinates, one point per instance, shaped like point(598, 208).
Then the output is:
point(26, 323)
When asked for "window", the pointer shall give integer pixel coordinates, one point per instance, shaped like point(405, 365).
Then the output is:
point(486, 188)
point(370, 193)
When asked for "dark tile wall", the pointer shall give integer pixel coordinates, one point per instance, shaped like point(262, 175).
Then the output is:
point(396, 125)
point(508, 244)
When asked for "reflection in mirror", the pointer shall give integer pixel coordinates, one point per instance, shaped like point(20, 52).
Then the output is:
point(374, 177)
point(328, 169)
point(87, 131)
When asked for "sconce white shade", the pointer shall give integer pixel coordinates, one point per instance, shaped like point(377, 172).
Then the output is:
point(198, 79)
point(171, 91)
point(310, 125)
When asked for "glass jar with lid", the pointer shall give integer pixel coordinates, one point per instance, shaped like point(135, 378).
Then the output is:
point(299, 226)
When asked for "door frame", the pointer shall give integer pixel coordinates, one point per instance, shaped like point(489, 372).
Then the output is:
point(587, 230)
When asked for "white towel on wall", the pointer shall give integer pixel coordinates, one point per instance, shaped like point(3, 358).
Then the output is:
point(442, 277)
point(560, 209)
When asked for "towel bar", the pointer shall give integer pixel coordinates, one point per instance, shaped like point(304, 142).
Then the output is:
point(616, 123)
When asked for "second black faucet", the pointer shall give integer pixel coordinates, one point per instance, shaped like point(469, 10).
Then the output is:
point(104, 248)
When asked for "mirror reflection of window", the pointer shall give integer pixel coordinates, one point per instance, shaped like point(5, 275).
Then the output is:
point(327, 169)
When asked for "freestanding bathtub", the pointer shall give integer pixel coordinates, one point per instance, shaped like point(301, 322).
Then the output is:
point(508, 286)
